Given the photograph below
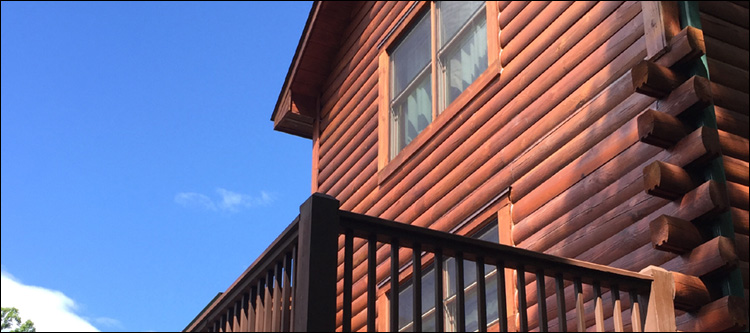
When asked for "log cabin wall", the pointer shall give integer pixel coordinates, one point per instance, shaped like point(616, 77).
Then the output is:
point(725, 27)
point(559, 125)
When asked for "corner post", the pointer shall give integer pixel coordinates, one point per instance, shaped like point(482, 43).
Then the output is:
point(660, 316)
point(317, 254)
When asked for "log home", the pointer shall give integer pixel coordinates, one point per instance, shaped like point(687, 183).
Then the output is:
point(512, 166)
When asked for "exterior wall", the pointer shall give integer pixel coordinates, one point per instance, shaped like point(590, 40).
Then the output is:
point(725, 27)
point(557, 125)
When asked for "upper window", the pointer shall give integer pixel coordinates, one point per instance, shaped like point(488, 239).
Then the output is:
point(433, 64)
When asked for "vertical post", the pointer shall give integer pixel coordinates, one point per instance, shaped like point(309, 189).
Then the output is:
point(481, 296)
point(348, 267)
point(287, 294)
point(562, 319)
point(598, 307)
point(268, 314)
point(315, 289)
point(276, 326)
point(502, 299)
point(372, 265)
point(541, 300)
point(439, 319)
point(580, 316)
point(460, 299)
point(635, 312)
point(521, 285)
point(660, 313)
point(394, 285)
point(616, 309)
point(417, 294)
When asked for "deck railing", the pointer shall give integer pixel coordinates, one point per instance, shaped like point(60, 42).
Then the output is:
point(292, 286)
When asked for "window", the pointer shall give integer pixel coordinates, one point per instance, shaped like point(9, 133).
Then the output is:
point(488, 233)
point(432, 64)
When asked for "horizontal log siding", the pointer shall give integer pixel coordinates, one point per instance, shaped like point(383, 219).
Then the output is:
point(563, 105)
point(725, 28)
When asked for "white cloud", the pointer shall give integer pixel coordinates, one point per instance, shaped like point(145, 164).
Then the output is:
point(108, 322)
point(190, 199)
point(50, 310)
point(227, 201)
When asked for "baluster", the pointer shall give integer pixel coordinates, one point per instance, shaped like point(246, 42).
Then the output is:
point(268, 306)
point(394, 286)
point(287, 294)
point(460, 301)
point(259, 311)
point(598, 307)
point(372, 264)
point(417, 279)
point(481, 296)
point(616, 308)
point(502, 307)
point(243, 312)
point(635, 312)
point(252, 309)
point(521, 286)
point(580, 316)
point(293, 298)
point(541, 300)
point(236, 317)
point(276, 327)
point(439, 311)
point(225, 321)
point(215, 327)
point(348, 263)
point(562, 320)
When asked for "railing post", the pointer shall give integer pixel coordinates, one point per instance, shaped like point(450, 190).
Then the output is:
point(660, 316)
point(315, 292)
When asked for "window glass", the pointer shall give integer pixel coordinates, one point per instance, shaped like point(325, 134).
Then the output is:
point(461, 38)
point(463, 53)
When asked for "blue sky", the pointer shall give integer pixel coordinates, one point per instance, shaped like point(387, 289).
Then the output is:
point(140, 171)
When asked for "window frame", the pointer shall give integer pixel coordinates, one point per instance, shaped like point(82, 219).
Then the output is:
point(387, 165)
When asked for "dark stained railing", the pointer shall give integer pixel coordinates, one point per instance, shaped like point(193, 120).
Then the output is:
point(292, 285)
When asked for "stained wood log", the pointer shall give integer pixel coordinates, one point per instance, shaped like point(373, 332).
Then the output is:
point(715, 255)
point(546, 18)
point(350, 167)
point(725, 31)
point(562, 218)
point(510, 12)
point(734, 146)
point(684, 47)
point(662, 22)
point(353, 139)
point(623, 238)
point(725, 314)
point(744, 267)
point(728, 75)
point(727, 11)
point(655, 80)
point(736, 170)
point(521, 21)
point(738, 195)
point(532, 63)
point(740, 220)
point(732, 122)
point(673, 234)
point(727, 53)
point(666, 180)
point(741, 244)
point(731, 99)
point(366, 161)
point(342, 127)
point(425, 209)
point(690, 292)
point(360, 183)
point(660, 129)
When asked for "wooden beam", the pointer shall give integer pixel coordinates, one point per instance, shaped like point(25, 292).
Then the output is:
point(685, 47)
point(666, 180)
point(660, 129)
point(715, 255)
point(734, 146)
point(673, 234)
point(732, 122)
point(690, 292)
point(655, 80)
point(725, 314)
point(741, 220)
point(738, 195)
point(736, 170)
